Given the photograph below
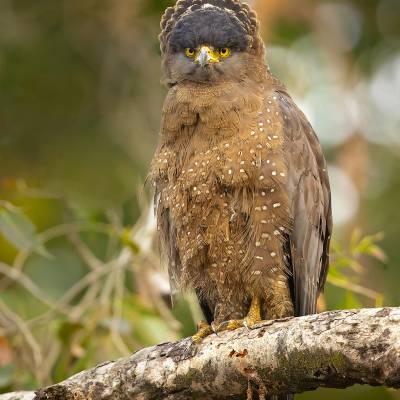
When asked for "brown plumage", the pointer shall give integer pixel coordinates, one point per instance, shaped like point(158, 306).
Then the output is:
point(242, 192)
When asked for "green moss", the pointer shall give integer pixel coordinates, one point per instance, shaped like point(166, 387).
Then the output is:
point(314, 360)
point(315, 363)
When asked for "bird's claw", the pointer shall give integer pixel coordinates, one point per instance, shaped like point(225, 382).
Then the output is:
point(203, 330)
point(229, 325)
point(250, 323)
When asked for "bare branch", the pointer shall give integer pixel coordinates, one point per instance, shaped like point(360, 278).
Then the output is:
point(18, 396)
point(25, 332)
point(333, 349)
point(22, 279)
point(352, 287)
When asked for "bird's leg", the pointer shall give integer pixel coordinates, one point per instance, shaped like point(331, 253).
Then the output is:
point(254, 314)
point(253, 318)
point(277, 301)
point(203, 330)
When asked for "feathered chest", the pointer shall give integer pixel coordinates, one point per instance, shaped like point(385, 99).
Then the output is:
point(220, 177)
point(222, 137)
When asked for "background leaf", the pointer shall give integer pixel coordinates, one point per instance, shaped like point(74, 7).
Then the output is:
point(19, 230)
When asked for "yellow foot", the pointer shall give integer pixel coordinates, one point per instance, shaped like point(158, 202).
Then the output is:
point(203, 330)
point(230, 325)
point(253, 318)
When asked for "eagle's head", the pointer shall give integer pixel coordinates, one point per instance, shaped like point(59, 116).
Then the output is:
point(209, 41)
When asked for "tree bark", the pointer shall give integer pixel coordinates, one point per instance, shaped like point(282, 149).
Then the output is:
point(334, 349)
point(18, 396)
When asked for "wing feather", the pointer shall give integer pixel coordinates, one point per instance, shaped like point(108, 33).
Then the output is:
point(310, 199)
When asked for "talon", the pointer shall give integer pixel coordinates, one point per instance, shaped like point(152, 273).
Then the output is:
point(203, 330)
point(245, 324)
point(249, 324)
point(214, 327)
point(230, 325)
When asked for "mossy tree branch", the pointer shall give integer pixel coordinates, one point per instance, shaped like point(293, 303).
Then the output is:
point(333, 349)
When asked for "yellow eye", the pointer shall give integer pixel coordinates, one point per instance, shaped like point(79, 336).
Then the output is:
point(189, 52)
point(225, 52)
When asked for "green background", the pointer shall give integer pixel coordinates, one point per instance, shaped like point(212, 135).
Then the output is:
point(80, 101)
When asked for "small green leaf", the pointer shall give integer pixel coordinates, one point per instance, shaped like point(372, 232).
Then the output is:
point(19, 230)
point(343, 262)
point(378, 253)
point(126, 239)
point(356, 267)
point(364, 246)
point(355, 239)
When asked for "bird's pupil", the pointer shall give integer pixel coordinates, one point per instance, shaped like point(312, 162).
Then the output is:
point(224, 52)
point(189, 51)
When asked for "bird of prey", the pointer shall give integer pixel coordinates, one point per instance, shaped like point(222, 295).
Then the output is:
point(241, 187)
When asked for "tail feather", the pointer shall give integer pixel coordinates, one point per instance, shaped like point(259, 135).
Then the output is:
point(282, 397)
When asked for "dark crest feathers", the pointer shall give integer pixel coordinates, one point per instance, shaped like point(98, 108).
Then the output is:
point(240, 11)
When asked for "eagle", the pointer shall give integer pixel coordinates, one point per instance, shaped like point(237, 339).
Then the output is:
point(242, 193)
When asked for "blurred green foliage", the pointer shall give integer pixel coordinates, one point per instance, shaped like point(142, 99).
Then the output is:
point(80, 105)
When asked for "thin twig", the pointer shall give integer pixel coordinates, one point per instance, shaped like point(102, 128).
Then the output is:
point(371, 294)
point(77, 288)
point(25, 332)
point(50, 234)
point(23, 280)
point(117, 312)
point(84, 252)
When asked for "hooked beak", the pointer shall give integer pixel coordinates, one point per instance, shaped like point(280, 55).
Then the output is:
point(206, 56)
